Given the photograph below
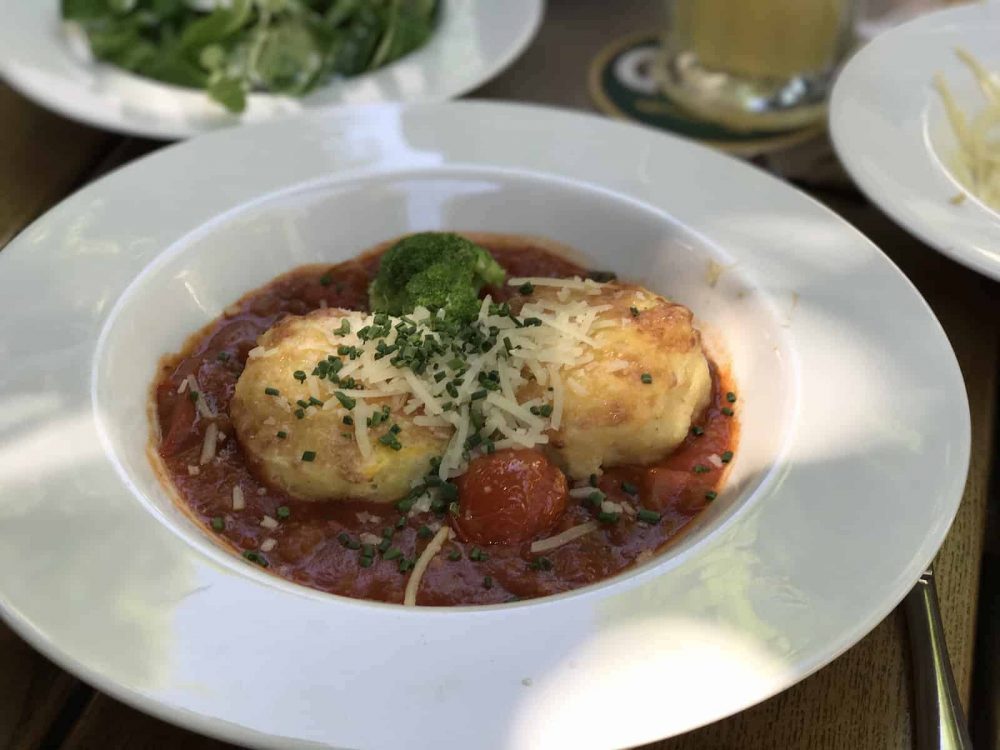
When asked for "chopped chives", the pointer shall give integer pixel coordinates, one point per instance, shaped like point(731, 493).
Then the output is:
point(605, 517)
point(649, 516)
point(193, 395)
point(646, 378)
point(711, 495)
point(595, 498)
point(405, 564)
point(255, 557)
point(629, 488)
point(326, 279)
point(390, 440)
point(392, 553)
point(526, 288)
point(455, 555)
point(700, 469)
point(478, 555)
point(405, 504)
point(299, 375)
point(343, 537)
point(593, 480)
point(281, 434)
point(313, 401)
point(345, 328)
point(541, 563)
point(300, 413)
point(346, 401)
point(424, 532)
point(366, 562)
point(634, 310)
point(223, 356)
point(309, 455)
point(303, 403)
point(727, 457)
point(488, 582)
point(731, 397)
point(218, 523)
point(697, 431)
point(727, 411)
point(348, 420)
point(283, 512)
point(269, 391)
point(478, 395)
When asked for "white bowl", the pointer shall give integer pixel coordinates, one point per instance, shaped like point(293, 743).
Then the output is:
point(854, 447)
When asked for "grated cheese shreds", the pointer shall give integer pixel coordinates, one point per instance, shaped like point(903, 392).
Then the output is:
point(199, 401)
point(269, 523)
point(209, 444)
point(433, 547)
point(239, 502)
point(574, 532)
point(268, 544)
point(481, 380)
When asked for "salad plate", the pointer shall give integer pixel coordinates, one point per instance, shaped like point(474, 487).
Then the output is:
point(50, 62)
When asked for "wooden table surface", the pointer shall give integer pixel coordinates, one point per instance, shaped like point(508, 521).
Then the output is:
point(861, 700)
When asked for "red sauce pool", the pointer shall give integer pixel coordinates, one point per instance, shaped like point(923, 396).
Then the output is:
point(310, 548)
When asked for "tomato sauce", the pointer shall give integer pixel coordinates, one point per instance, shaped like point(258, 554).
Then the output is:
point(317, 543)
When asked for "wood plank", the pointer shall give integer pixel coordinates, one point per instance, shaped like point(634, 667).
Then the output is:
point(43, 156)
point(33, 693)
point(110, 725)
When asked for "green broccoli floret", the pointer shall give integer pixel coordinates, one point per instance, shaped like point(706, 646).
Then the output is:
point(435, 270)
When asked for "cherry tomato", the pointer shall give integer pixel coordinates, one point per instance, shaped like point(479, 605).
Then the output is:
point(509, 496)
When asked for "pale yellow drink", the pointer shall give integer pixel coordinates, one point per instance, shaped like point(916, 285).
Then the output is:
point(761, 38)
point(755, 64)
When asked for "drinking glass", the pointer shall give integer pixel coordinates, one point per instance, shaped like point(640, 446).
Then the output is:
point(755, 64)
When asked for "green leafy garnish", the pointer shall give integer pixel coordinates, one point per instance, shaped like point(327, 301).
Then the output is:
point(232, 48)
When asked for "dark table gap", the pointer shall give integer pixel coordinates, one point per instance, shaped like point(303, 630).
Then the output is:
point(68, 716)
point(984, 717)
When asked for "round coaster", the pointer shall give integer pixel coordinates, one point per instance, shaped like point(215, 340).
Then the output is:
point(623, 85)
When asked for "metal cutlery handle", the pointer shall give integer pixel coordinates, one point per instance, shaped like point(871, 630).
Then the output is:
point(940, 721)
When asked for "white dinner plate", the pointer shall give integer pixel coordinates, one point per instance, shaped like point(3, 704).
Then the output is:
point(853, 452)
point(890, 129)
point(474, 41)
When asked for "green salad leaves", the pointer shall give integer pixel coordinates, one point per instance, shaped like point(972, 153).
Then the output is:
point(232, 47)
point(436, 270)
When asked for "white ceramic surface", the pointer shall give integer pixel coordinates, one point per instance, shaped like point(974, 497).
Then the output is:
point(891, 133)
point(853, 456)
point(474, 41)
